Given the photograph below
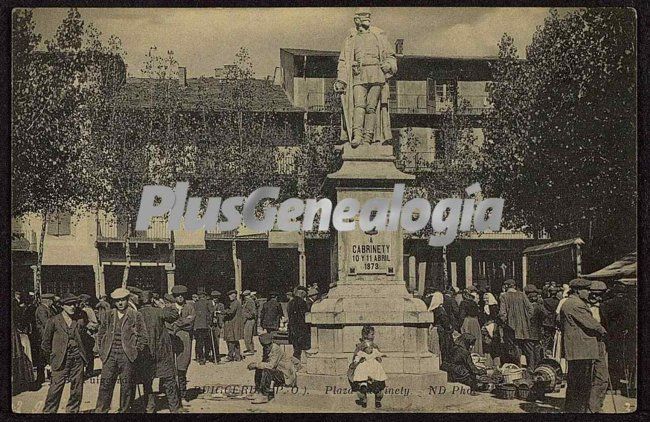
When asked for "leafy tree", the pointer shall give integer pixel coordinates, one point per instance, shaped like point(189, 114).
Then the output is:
point(52, 94)
point(560, 140)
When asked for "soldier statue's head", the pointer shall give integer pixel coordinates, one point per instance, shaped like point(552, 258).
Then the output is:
point(362, 18)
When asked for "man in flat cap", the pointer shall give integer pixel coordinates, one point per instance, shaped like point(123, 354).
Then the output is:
point(204, 310)
point(299, 330)
point(276, 366)
point(233, 326)
point(249, 310)
point(271, 314)
point(183, 328)
point(580, 336)
point(43, 314)
point(536, 351)
point(159, 359)
point(91, 324)
point(216, 325)
point(366, 63)
point(120, 339)
point(63, 345)
point(516, 311)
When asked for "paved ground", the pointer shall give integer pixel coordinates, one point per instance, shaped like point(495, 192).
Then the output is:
point(207, 382)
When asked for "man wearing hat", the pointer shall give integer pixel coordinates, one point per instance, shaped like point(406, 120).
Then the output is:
point(533, 346)
point(276, 366)
point(183, 328)
point(549, 324)
point(216, 325)
point(92, 325)
point(63, 344)
point(580, 336)
point(158, 362)
point(271, 313)
point(366, 63)
point(600, 381)
point(233, 326)
point(515, 311)
point(299, 330)
point(249, 310)
point(204, 310)
point(43, 314)
point(120, 339)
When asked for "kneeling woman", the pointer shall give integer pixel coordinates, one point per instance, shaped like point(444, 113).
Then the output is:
point(366, 375)
point(460, 366)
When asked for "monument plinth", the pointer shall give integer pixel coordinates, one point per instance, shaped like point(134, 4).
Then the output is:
point(370, 290)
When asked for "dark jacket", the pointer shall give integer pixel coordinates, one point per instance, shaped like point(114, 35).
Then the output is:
point(249, 310)
point(270, 315)
point(580, 330)
point(217, 317)
point(453, 311)
point(537, 321)
point(233, 322)
point(55, 340)
point(299, 330)
point(160, 362)
point(203, 309)
point(515, 311)
point(43, 314)
point(134, 334)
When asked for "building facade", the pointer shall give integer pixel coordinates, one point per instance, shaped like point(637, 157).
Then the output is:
point(86, 252)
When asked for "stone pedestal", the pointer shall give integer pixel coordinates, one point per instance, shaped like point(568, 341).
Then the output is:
point(370, 290)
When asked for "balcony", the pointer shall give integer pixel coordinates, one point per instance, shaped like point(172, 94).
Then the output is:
point(110, 230)
point(473, 105)
point(419, 162)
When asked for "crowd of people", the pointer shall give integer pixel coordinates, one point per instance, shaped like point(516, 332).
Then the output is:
point(583, 325)
point(140, 336)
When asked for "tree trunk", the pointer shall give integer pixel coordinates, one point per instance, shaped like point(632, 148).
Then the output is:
point(445, 273)
point(127, 250)
point(39, 263)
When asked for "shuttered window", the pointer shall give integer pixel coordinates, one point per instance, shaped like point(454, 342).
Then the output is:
point(58, 224)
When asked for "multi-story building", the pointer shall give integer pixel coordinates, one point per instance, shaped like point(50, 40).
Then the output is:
point(86, 252)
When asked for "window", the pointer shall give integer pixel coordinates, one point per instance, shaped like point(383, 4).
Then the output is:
point(58, 224)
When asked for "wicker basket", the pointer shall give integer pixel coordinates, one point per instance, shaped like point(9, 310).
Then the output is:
point(507, 391)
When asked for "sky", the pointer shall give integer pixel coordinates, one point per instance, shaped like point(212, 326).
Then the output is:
point(204, 39)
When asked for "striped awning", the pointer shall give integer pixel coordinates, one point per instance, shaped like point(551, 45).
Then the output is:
point(624, 268)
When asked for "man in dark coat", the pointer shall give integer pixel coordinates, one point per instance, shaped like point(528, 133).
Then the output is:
point(600, 372)
point(233, 326)
point(515, 311)
point(299, 330)
point(535, 328)
point(271, 313)
point(159, 361)
point(204, 310)
point(183, 328)
point(580, 335)
point(42, 314)
point(120, 340)
point(216, 325)
point(249, 311)
point(63, 344)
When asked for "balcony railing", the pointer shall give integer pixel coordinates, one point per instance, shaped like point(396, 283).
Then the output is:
point(413, 162)
point(110, 230)
point(409, 104)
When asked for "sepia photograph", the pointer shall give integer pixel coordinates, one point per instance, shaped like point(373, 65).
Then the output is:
point(323, 210)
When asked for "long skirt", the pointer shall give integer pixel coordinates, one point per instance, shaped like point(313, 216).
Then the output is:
point(471, 325)
point(22, 374)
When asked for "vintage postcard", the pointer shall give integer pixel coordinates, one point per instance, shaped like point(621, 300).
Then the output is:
point(300, 210)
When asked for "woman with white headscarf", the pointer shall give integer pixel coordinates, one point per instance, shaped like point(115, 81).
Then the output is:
point(441, 326)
